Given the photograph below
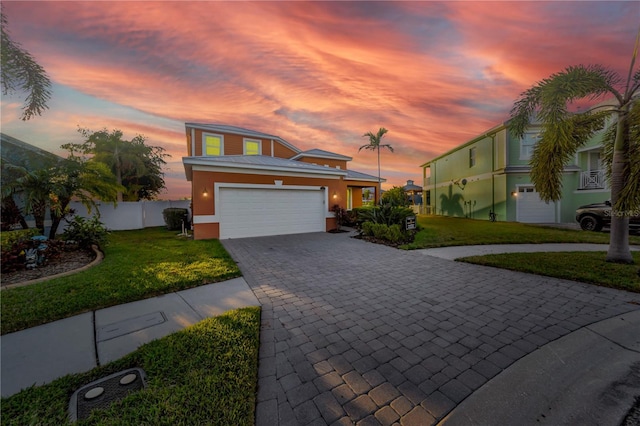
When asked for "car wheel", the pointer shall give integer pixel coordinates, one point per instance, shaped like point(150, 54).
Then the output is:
point(590, 223)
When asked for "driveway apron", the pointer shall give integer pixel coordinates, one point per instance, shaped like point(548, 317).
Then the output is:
point(359, 333)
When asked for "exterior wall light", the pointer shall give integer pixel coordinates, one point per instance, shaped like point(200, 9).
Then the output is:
point(335, 195)
point(514, 194)
point(205, 192)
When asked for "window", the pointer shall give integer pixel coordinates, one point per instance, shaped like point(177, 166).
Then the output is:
point(212, 144)
point(527, 144)
point(472, 156)
point(349, 198)
point(252, 147)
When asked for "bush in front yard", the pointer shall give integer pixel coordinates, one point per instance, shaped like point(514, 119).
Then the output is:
point(174, 217)
point(86, 232)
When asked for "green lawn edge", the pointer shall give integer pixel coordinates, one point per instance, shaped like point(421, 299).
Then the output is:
point(586, 267)
point(138, 265)
point(204, 374)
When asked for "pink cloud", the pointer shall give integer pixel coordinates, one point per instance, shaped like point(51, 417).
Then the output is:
point(319, 74)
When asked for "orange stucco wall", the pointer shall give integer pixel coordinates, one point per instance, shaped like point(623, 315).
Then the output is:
point(233, 144)
point(205, 204)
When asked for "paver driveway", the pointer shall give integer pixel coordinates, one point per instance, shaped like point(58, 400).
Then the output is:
point(358, 333)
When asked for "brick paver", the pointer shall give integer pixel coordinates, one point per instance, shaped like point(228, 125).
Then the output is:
point(358, 333)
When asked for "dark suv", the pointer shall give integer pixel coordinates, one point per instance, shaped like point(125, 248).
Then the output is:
point(593, 217)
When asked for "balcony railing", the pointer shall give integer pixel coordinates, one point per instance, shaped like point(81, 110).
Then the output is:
point(593, 179)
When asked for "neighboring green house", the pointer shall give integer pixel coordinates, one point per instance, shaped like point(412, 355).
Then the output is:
point(491, 174)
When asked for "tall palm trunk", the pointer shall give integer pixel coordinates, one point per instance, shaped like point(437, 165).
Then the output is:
point(379, 182)
point(619, 250)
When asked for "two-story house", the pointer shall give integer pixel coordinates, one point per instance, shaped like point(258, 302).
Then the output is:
point(246, 183)
point(489, 177)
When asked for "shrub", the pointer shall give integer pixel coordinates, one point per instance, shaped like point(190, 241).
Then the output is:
point(341, 215)
point(395, 197)
point(174, 217)
point(367, 228)
point(10, 238)
point(86, 232)
point(380, 230)
point(387, 214)
point(395, 234)
point(14, 259)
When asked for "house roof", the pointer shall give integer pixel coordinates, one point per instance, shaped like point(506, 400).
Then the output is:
point(411, 187)
point(320, 153)
point(258, 162)
point(353, 175)
point(224, 128)
point(18, 153)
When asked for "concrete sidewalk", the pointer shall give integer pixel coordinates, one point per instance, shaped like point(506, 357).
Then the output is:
point(588, 377)
point(41, 354)
point(456, 252)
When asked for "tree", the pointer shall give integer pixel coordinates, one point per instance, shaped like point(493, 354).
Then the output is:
point(52, 188)
point(136, 166)
point(81, 180)
point(21, 72)
point(396, 197)
point(563, 132)
point(375, 145)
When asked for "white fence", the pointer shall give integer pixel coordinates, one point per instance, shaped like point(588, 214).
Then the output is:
point(129, 215)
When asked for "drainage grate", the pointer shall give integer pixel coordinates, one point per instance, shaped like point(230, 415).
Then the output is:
point(102, 392)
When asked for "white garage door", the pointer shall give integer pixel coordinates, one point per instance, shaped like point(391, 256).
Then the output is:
point(531, 209)
point(251, 212)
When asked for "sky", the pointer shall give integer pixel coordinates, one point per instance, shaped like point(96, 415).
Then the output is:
point(318, 74)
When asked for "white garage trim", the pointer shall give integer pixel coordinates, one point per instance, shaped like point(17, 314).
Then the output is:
point(531, 209)
point(271, 210)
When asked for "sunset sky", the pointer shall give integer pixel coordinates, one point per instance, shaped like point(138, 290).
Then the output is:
point(317, 74)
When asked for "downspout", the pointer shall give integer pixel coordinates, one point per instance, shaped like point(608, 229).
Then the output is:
point(493, 176)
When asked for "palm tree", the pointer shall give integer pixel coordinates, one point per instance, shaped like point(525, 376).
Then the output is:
point(21, 72)
point(374, 145)
point(564, 132)
point(81, 180)
point(52, 188)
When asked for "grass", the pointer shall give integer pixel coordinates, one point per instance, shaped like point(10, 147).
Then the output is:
point(138, 265)
point(203, 375)
point(440, 231)
point(587, 267)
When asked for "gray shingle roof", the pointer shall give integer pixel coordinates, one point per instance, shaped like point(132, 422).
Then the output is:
point(321, 153)
point(261, 162)
point(353, 175)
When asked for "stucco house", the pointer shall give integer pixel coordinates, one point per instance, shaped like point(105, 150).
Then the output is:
point(246, 183)
point(491, 174)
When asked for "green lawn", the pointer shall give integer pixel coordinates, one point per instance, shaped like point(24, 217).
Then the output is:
point(204, 374)
point(588, 267)
point(137, 265)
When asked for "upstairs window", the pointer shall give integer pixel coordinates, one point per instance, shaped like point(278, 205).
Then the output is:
point(212, 145)
point(472, 156)
point(252, 147)
point(527, 144)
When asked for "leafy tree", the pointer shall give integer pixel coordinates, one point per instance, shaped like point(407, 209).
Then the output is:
point(136, 166)
point(396, 197)
point(21, 72)
point(52, 189)
point(80, 180)
point(375, 145)
point(563, 132)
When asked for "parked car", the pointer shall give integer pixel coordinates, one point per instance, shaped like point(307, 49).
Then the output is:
point(594, 217)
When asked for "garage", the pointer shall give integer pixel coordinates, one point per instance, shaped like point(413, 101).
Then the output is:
point(256, 212)
point(531, 209)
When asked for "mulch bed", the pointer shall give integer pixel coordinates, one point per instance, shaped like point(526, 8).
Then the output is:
point(64, 262)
